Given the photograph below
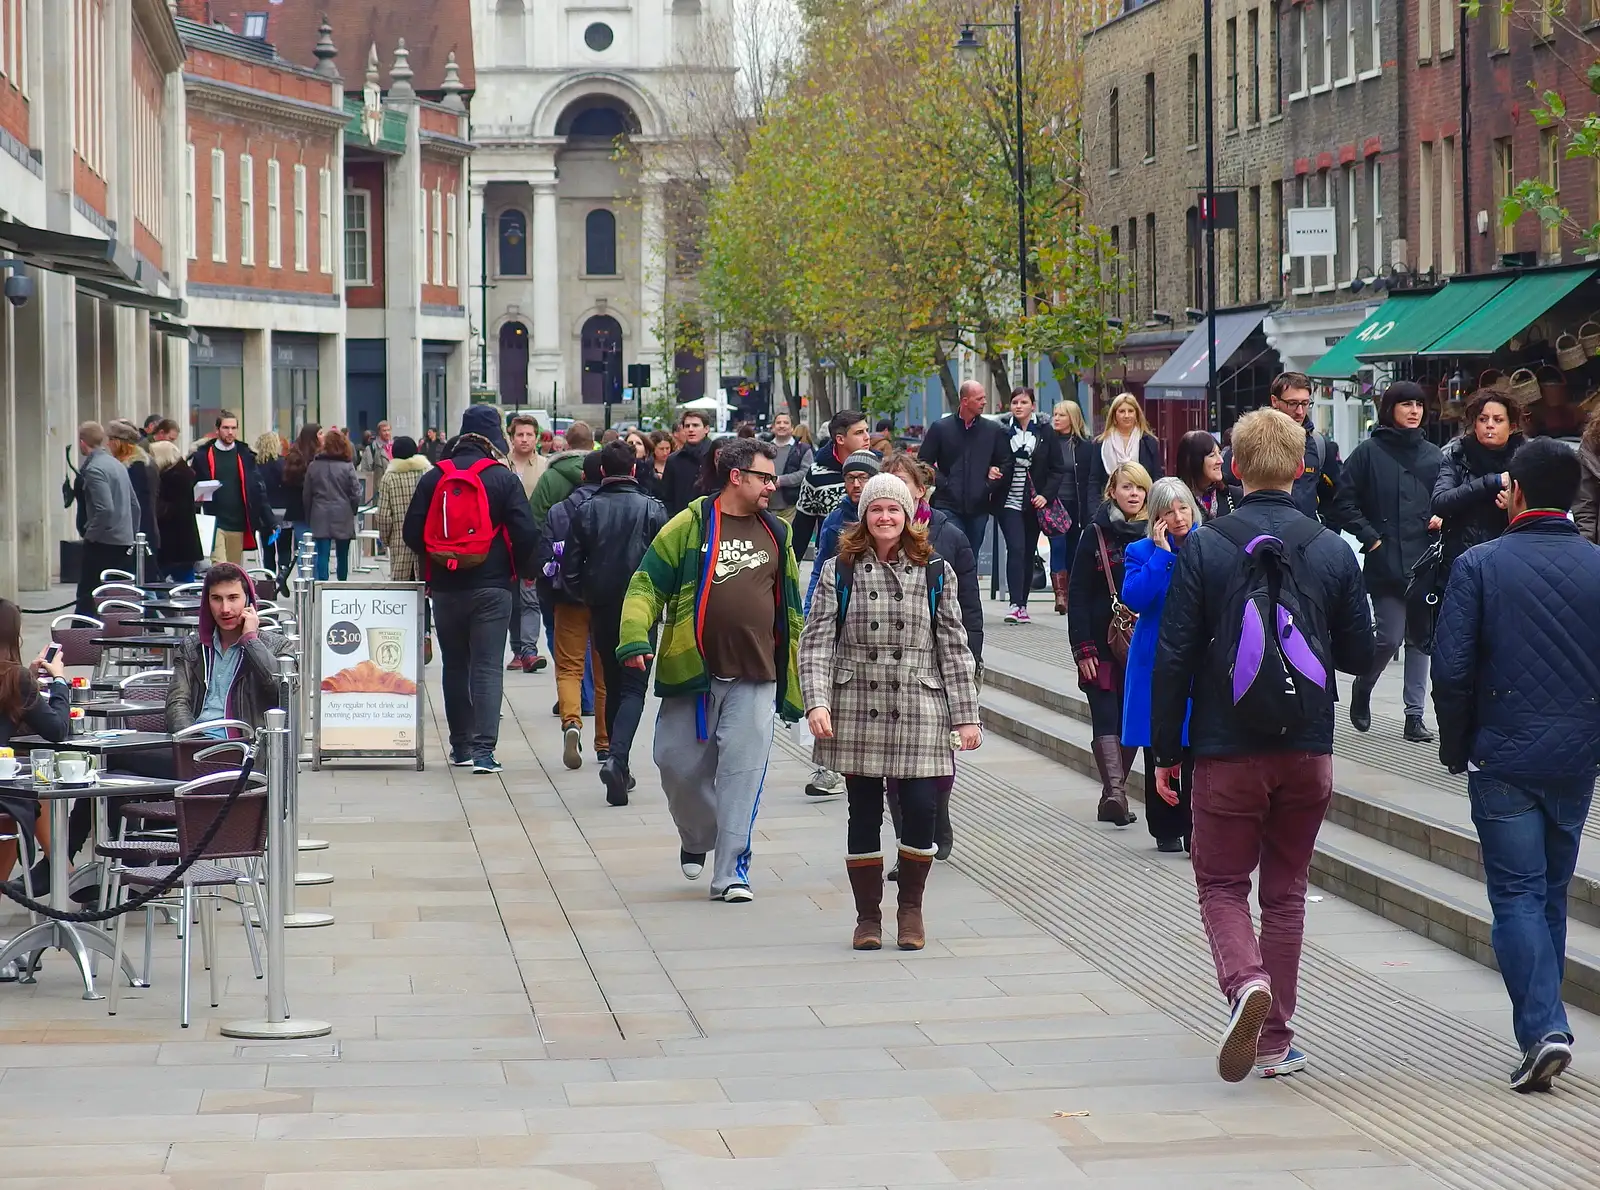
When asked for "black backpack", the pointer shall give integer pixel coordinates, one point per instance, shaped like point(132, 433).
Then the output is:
point(844, 578)
point(1278, 679)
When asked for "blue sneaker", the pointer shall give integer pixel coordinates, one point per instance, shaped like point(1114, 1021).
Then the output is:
point(1293, 1060)
point(486, 764)
point(460, 760)
point(1236, 1053)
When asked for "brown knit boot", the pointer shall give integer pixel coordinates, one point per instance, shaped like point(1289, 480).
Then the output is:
point(866, 881)
point(1058, 583)
point(1113, 781)
point(914, 868)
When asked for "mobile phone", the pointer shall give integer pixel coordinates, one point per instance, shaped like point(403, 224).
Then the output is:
point(52, 651)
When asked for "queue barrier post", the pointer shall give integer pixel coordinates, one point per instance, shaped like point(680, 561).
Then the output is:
point(294, 917)
point(274, 741)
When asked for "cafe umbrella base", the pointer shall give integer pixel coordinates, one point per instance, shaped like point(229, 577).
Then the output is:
point(263, 1030)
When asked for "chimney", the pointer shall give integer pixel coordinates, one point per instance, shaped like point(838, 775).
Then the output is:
point(325, 51)
point(192, 10)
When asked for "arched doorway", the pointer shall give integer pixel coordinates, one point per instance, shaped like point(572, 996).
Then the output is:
point(514, 364)
point(602, 360)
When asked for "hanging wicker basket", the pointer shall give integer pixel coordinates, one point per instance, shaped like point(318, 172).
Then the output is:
point(1591, 403)
point(1452, 411)
point(1552, 386)
point(1570, 354)
point(1589, 337)
point(1492, 381)
point(1523, 389)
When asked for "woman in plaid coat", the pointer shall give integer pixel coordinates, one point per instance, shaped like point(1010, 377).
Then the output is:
point(886, 685)
point(399, 481)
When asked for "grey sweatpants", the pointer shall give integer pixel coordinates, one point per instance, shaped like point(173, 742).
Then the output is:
point(713, 786)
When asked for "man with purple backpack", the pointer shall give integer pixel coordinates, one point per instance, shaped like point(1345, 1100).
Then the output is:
point(1264, 605)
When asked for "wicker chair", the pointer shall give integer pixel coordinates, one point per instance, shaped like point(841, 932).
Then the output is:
point(75, 634)
point(128, 591)
point(243, 836)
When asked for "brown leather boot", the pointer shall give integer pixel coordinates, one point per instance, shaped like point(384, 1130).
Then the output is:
point(1113, 781)
point(914, 868)
point(866, 881)
point(1058, 583)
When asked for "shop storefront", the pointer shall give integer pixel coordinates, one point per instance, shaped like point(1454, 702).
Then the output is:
point(216, 379)
point(296, 392)
point(1301, 338)
point(435, 385)
point(1175, 397)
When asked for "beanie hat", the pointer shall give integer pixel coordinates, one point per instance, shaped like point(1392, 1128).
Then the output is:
point(885, 486)
point(404, 448)
point(861, 460)
point(484, 421)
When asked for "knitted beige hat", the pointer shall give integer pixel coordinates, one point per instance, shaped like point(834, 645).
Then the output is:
point(885, 486)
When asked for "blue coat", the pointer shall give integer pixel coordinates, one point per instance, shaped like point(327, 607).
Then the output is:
point(1516, 662)
point(836, 522)
point(1146, 573)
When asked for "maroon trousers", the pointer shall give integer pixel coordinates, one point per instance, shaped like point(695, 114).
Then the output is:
point(1261, 811)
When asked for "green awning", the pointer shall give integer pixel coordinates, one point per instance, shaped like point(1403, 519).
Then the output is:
point(1525, 300)
point(1340, 361)
point(1440, 314)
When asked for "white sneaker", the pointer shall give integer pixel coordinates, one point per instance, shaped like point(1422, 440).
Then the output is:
point(572, 747)
point(692, 863)
point(737, 894)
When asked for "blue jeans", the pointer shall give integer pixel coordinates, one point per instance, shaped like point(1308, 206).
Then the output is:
point(1530, 831)
point(974, 527)
point(341, 549)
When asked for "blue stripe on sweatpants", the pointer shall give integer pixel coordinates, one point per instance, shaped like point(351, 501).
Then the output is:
point(713, 786)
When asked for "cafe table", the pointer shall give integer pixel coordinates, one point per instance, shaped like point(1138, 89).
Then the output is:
point(76, 938)
point(159, 622)
point(101, 743)
point(178, 606)
point(117, 708)
point(151, 640)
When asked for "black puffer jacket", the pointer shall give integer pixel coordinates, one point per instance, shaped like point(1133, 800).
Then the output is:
point(508, 510)
point(1088, 594)
point(1385, 499)
point(1191, 656)
point(961, 455)
point(608, 536)
point(1464, 494)
point(951, 544)
point(680, 478)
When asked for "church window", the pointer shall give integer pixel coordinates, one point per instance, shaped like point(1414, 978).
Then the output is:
point(513, 244)
point(600, 243)
point(598, 37)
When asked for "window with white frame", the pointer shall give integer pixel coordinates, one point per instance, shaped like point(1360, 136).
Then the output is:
point(422, 235)
point(219, 206)
point(1350, 41)
point(1327, 44)
point(438, 236)
point(14, 43)
point(1424, 29)
point(1447, 25)
point(1329, 265)
point(1303, 263)
point(302, 251)
point(1302, 78)
point(88, 76)
point(1425, 208)
point(357, 237)
point(1353, 223)
point(191, 245)
point(1375, 172)
point(325, 220)
point(1375, 63)
point(1447, 207)
point(274, 215)
point(450, 213)
point(1550, 152)
point(247, 209)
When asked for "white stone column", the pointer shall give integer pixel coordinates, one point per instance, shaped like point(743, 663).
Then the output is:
point(403, 274)
point(544, 360)
point(473, 277)
point(256, 416)
point(330, 380)
point(8, 433)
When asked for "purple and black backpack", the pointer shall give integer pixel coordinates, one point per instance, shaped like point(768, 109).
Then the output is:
point(1278, 679)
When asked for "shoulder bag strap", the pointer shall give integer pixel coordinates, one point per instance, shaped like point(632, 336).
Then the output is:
point(1105, 564)
point(843, 574)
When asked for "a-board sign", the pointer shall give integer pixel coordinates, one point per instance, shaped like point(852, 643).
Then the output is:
point(367, 646)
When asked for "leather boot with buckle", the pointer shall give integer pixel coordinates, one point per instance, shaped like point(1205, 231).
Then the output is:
point(866, 881)
point(915, 865)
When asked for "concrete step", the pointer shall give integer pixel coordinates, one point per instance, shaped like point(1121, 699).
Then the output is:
point(1418, 891)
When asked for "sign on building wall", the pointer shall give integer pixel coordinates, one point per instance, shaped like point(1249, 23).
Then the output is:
point(1313, 231)
point(368, 676)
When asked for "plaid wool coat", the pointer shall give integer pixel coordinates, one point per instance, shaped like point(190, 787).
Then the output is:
point(893, 687)
point(395, 490)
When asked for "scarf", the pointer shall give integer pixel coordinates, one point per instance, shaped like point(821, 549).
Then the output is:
point(1488, 460)
point(1115, 449)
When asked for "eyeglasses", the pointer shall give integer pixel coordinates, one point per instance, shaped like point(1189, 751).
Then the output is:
point(769, 479)
point(1301, 406)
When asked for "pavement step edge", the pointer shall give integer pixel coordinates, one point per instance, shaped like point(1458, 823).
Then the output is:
point(1445, 843)
point(1359, 876)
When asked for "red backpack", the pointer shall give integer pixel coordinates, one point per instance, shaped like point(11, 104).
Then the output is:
point(459, 531)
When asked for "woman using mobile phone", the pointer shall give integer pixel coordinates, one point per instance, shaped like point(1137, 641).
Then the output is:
point(25, 710)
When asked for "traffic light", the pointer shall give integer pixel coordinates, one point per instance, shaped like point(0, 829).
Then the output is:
point(638, 375)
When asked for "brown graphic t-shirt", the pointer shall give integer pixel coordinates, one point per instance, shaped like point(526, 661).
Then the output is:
point(738, 637)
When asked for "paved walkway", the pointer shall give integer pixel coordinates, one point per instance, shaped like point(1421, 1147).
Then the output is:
point(527, 994)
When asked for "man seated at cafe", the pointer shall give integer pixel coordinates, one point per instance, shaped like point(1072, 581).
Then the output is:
point(228, 667)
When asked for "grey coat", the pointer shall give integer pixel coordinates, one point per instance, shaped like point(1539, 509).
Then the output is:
point(108, 511)
point(332, 492)
point(894, 688)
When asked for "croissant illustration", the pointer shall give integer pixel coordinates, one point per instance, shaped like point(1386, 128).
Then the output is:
point(367, 678)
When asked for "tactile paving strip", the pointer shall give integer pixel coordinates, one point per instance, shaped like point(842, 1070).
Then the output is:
point(1427, 1085)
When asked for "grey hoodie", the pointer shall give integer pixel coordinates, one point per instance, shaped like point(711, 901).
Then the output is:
point(108, 510)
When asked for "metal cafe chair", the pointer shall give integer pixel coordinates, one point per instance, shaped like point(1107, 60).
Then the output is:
point(242, 836)
point(75, 634)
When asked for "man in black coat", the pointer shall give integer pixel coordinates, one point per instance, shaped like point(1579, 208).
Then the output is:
point(472, 605)
point(1516, 684)
point(607, 538)
point(822, 489)
point(971, 459)
point(680, 477)
point(1385, 501)
point(1258, 802)
point(1314, 490)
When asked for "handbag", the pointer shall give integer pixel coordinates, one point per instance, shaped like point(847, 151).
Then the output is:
point(1054, 519)
point(1119, 634)
point(1424, 593)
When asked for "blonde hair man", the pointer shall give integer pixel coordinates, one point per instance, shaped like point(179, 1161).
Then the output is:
point(1258, 799)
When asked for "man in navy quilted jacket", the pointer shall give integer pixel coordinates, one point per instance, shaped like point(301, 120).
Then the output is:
point(1519, 712)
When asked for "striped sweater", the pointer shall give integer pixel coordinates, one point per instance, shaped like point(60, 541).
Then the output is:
point(674, 575)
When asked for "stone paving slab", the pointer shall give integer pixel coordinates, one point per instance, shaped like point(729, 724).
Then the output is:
point(527, 994)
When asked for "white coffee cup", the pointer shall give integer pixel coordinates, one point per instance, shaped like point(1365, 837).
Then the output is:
point(74, 770)
point(9, 767)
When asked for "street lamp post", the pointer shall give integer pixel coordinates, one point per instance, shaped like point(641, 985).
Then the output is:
point(1214, 398)
point(968, 46)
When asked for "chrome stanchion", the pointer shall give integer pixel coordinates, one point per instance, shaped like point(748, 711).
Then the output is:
point(306, 610)
point(141, 555)
point(293, 917)
point(290, 687)
point(276, 745)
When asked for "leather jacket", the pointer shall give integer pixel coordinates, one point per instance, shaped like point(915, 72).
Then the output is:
point(609, 535)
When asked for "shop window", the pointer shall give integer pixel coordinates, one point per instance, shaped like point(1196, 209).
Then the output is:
point(513, 244)
point(357, 237)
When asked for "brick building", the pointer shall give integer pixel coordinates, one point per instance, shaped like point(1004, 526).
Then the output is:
point(91, 129)
point(1144, 148)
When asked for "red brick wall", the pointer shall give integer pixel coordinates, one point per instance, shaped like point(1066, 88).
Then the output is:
point(368, 176)
point(434, 120)
point(446, 175)
point(88, 185)
point(263, 141)
point(1433, 99)
point(258, 76)
point(13, 107)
